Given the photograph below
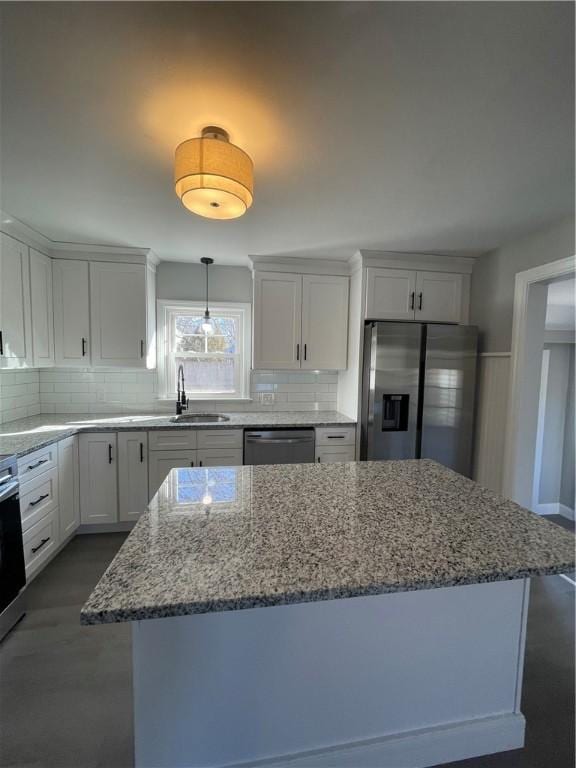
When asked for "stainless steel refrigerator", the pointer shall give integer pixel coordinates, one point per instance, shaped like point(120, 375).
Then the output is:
point(418, 390)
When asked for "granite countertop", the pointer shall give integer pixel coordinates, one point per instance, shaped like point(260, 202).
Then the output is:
point(244, 537)
point(26, 435)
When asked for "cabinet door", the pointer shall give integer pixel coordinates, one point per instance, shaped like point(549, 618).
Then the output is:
point(42, 311)
point(277, 320)
point(324, 322)
point(438, 297)
point(220, 457)
point(161, 462)
point(68, 486)
point(15, 317)
point(118, 314)
point(337, 454)
point(132, 474)
point(71, 312)
point(390, 294)
point(98, 480)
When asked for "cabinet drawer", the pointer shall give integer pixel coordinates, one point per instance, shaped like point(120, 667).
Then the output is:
point(220, 438)
point(330, 455)
point(172, 439)
point(38, 497)
point(220, 457)
point(35, 463)
point(39, 543)
point(333, 436)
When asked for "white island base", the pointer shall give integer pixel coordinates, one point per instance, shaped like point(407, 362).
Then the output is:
point(402, 680)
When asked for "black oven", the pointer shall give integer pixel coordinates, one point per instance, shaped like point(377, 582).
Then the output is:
point(12, 568)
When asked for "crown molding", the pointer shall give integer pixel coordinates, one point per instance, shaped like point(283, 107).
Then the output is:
point(299, 265)
point(80, 251)
point(414, 260)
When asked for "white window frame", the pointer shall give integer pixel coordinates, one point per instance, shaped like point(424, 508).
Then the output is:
point(165, 309)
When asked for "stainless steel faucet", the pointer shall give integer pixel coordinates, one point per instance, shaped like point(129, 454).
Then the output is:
point(181, 399)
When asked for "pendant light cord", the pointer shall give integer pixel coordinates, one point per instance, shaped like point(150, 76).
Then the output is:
point(207, 312)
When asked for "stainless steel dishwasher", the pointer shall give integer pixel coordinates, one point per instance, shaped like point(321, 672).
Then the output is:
point(278, 446)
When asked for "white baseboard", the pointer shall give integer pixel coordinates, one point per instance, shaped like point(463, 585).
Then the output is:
point(415, 749)
point(555, 508)
point(106, 527)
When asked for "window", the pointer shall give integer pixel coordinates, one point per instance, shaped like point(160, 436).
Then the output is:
point(217, 365)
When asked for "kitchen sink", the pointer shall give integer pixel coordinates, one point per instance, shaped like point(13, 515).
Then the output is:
point(199, 418)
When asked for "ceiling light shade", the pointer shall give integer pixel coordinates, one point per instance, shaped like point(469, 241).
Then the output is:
point(212, 177)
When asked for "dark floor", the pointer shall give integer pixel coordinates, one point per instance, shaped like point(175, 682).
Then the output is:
point(65, 690)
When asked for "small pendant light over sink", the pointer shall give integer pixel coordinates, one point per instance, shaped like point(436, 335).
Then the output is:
point(207, 324)
point(213, 177)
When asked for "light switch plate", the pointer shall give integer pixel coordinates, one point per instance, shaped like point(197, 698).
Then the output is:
point(267, 398)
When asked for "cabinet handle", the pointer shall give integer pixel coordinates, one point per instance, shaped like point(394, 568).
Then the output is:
point(335, 437)
point(412, 297)
point(142, 348)
point(304, 351)
point(141, 453)
point(297, 351)
point(191, 463)
point(200, 463)
point(83, 347)
point(35, 549)
point(109, 453)
point(38, 500)
point(419, 301)
point(1, 344)
point(38, 464)
point(318, 459)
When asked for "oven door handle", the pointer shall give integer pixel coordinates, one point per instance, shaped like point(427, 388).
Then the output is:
point(8, 490)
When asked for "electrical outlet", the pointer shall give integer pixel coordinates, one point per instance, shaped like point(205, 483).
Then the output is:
point(267, 398)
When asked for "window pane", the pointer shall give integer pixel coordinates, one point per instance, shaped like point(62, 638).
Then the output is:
point(223, 344)
point(190, 344)
point(208, 374)
point(188, 324)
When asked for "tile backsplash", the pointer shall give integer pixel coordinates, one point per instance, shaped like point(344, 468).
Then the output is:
point(19, 394)
point(87, 390)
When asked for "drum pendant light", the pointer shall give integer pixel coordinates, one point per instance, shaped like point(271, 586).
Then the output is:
point(207, 324)
point(212, 177)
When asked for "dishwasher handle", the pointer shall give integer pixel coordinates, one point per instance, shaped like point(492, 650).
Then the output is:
point(283, 440)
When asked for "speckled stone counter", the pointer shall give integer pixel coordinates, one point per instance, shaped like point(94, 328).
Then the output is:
point(243, 537)
point(26, 435)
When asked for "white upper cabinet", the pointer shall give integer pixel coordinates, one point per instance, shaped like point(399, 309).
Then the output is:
point(402, 294)
point(438, 297)
point(71, 312)
point(42, 312)
point(277, 320)
point(300, 321)
point(390, 294)
point(118, 314)
point(324, 322)
point(132, 474)
point(15, 316)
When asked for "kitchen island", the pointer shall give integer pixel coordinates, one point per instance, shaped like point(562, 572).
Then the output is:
point(366, 615)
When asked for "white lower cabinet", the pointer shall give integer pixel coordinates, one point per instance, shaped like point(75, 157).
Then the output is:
point(161, 462)
point(98, 478)
point(132, 474)
point(331, 455)
point(335, 444)
point(68, 487)
point(40, 541)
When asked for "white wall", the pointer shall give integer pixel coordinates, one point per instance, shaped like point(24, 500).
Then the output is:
point(187, 282)
point(491, 308)
point(494, 273)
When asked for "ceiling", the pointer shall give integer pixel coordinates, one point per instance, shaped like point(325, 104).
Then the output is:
point(442, 127)
point(561, 305)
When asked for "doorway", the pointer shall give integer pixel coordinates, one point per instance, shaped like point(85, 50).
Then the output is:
point(535, 359)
